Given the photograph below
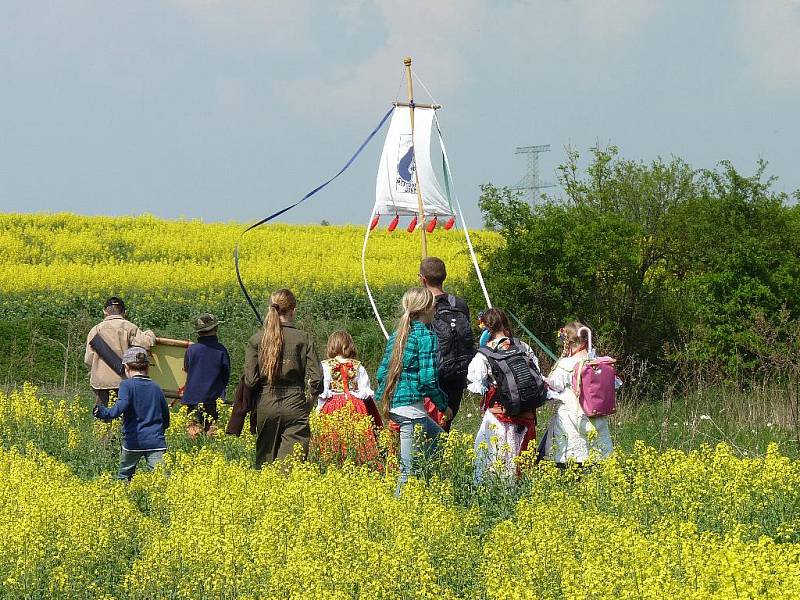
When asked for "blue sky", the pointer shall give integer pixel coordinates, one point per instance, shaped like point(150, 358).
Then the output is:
point(228, 110)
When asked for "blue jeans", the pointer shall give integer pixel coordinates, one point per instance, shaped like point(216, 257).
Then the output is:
point(128, 459)
point(409, 446)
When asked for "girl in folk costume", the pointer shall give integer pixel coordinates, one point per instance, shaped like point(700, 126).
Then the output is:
point(501, 436)
point(346, 386)
point(408, 375)
point(281, 360)
point(571, 435)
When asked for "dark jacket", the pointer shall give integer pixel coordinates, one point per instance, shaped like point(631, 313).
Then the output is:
point(300, 363)
point(145, 414)
point(245, 400)
point(208, 369)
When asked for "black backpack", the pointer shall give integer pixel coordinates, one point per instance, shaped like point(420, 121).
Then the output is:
point(520, 386)
point(456, 345)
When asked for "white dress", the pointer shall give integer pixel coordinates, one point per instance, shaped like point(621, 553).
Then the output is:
point(571, 435)
point(497, 444)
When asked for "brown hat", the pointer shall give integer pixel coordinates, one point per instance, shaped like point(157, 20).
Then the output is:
point(205, 322)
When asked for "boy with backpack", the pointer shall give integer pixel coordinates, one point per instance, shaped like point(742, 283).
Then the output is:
point(208, 370)
point(453, 328)
point(144, 411)
point(506, 373)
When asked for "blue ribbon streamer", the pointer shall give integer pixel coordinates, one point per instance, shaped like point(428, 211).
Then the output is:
point(290, 207)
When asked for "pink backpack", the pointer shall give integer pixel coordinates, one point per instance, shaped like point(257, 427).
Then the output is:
point(594, 383)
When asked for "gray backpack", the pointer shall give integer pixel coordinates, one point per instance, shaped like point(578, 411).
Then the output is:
point(520, 385)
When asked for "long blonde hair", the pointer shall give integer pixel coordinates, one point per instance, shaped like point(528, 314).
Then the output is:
point(572, 339)
point(416, 302)
point(270, 352)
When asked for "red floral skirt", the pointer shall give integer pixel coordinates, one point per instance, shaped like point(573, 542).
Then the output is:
point(343, 432)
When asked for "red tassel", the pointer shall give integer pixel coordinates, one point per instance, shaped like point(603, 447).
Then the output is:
point(432, 224)
point(413, 225)
point(449, 225)
point(393, 224)
point(374, 223)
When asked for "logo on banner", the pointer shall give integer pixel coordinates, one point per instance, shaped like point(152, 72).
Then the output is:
point(406, 167)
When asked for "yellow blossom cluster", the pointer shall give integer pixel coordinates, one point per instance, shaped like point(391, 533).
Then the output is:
point(643, 524)
point(160, 262)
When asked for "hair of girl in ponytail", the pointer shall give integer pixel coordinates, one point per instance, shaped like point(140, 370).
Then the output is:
point(572, 339)
point(496, 321)
point(270, 351)
point(416, 302)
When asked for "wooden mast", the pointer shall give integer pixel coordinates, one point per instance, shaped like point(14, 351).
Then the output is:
point(421, 221)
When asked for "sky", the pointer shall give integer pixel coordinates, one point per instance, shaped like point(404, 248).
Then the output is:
point(228, 110)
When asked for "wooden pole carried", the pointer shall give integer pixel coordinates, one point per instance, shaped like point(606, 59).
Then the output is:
point(421, 223)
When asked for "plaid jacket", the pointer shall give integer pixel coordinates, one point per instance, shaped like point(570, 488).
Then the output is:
point(419, 378)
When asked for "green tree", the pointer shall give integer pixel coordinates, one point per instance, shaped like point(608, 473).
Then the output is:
point(664, 262)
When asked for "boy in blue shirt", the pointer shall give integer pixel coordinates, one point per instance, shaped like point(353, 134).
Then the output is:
point(208, 369)
point(144, 411)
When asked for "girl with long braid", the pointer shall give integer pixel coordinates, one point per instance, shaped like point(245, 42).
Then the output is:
point(281, 360)
point(408, 374)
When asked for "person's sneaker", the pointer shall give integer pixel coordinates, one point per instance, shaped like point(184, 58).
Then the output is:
point(212, 430)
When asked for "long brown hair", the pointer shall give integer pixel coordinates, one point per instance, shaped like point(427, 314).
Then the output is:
point(416, 302)
point(270, 352)
point(341, 343)
point(496, 321)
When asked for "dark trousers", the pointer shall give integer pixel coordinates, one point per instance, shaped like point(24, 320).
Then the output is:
point(282, 416)
point(454, 390)
point(104, 396)
point(204, 413)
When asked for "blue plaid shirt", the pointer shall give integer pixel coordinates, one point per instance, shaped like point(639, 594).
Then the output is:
point(419, 378)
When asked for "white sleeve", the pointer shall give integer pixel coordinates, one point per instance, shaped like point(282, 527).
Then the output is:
point(478, 374)
point(529, 351)
point(364, 389)
point(326, 384)
point(560, 378)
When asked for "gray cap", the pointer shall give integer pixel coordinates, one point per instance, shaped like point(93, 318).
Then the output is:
point(135, 354)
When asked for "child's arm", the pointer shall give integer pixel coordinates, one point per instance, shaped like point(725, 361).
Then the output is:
point(477, 374)
point(364, 386)
point(428, 350)
point(120, 406)
point(165, 411)
point(226, 368)
point(380, 376)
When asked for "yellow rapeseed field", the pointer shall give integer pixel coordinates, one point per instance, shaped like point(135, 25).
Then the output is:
point(642, 525)
point(162, 261)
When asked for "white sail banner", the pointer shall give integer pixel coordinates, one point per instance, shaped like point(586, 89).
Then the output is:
point(396, 185)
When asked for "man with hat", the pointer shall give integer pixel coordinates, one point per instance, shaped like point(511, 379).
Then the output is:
point(208, 369)
point(106, 343)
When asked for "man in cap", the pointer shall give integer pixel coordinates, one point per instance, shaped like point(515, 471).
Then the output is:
point(144, 411)
point(106, 343)
point(208, 369)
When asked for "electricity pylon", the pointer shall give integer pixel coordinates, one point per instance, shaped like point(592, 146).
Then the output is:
point(531, 184)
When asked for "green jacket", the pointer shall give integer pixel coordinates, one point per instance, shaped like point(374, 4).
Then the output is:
point(300, 362)
point(419, 378)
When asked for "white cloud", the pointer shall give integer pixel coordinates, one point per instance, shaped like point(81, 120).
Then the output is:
point(770, 38)
point(614, 19)
point(433, 33)
point(283, 25)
